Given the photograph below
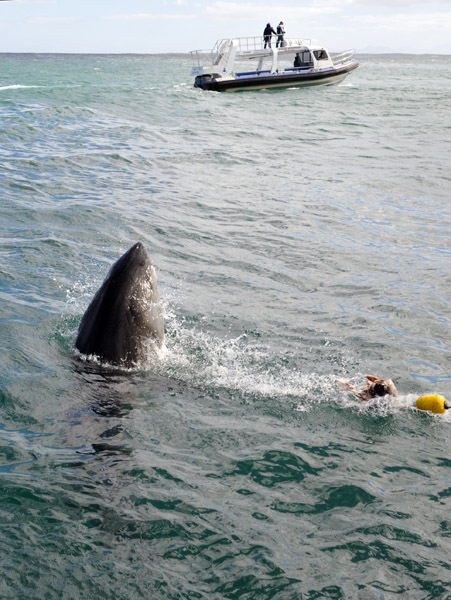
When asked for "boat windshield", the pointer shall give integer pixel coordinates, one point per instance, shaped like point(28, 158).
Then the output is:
point(320, 54)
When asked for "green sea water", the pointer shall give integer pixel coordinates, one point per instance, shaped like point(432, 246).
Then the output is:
point(299, 236)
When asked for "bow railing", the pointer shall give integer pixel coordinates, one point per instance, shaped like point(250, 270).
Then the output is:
point(343, 57)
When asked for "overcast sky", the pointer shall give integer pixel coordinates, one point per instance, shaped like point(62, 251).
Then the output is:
point(151, 26)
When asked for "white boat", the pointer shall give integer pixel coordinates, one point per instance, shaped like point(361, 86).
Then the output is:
point(296, 62)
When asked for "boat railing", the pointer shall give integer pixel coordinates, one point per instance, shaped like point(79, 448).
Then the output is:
point(202, 57)
point(250, 45)
point(245, 46)
point(343, 57)
point(213, 56)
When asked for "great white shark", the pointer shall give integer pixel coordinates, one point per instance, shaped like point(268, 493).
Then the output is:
point(124, 320)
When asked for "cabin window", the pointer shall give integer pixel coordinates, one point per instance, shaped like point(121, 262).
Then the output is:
point(320, 54)
point(303, 59)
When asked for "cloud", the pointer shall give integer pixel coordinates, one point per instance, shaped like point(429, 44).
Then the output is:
point(52, 20)
point(235, 10)
point(379, 3)
point(147, 17)
point(35, 1)
point(407, 22)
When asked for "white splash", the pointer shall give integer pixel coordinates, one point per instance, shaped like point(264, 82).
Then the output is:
point(18, 87)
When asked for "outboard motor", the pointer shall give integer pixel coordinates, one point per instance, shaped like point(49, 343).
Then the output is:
point(205, 82)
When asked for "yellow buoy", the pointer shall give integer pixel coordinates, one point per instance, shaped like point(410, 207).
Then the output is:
point(435, 403)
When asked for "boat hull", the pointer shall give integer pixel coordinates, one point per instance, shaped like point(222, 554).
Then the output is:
point(275, 80)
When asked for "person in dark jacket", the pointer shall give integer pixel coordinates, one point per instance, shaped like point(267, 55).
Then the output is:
point(267, 33)
point(280, 34)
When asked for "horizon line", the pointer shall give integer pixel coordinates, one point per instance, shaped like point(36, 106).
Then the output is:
point(187, 53)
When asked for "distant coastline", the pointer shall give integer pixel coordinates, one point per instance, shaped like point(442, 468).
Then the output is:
point(95, 54)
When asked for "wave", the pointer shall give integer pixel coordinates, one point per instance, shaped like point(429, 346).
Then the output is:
point(18, 86)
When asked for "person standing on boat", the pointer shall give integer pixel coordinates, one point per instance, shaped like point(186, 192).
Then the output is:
point(280, 34)
point(267, 33)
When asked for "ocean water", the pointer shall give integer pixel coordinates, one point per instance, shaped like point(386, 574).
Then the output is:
point(299, 236)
